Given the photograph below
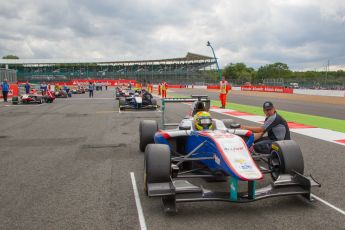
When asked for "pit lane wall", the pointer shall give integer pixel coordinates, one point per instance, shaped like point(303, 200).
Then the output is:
point(332, 93)
point(266, 88)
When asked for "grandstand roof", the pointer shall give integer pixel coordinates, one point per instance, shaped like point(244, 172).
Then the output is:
point(189, 57)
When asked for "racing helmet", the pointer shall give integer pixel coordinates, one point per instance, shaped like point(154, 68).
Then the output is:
point(203, 120)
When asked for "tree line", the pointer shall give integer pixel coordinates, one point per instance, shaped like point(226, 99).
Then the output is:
point(278, 72)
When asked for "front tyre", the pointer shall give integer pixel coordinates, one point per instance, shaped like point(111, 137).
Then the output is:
point(286, 158)
point(157, 164)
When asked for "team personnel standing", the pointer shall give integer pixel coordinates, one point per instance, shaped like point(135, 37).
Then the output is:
point(164, 89)
point(159, 89)
point(27, 87)
point(5, 88)
point(224, 89)
point(44, 88)
point(91, 88)
point(275, 126)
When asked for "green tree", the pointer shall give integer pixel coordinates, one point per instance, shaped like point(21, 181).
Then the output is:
point(274, 71)
point(10, 56)
point(239, 73)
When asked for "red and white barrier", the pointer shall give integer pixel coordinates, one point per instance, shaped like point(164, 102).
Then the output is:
point(13, 91)
point(266, 88)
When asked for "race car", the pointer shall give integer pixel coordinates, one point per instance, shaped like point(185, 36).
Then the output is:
point(174, 157)
point(61, 94)
point(137, 101)
point(78, 90)
point(123, 92)
point(34, 98)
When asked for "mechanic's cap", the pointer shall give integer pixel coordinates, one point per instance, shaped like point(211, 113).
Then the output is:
point(267, 105)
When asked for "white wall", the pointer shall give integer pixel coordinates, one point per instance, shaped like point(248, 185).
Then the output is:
point(334, 93)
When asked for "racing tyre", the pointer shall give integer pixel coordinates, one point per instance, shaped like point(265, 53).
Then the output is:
point(147, 130)
point(154, 101)
point(286, 157)
point(157, 164)
point(15, 100)
point(227, 123)
point(122, 101)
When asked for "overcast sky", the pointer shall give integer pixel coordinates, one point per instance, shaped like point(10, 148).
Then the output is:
point(304, 34)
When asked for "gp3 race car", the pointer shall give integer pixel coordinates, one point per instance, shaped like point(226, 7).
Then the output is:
point(61, 94)
point(33, 98)
point(220, 154)
point(137, 102)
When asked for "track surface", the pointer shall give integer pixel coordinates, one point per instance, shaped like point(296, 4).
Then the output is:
point(67, 165)
point(331, 107)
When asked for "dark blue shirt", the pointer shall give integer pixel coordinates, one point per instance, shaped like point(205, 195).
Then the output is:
point(27, 88)
point(5, 87)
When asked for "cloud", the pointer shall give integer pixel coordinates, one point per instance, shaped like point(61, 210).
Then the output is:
point(303, 34)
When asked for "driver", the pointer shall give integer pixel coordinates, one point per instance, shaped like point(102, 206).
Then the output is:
point(203, 121)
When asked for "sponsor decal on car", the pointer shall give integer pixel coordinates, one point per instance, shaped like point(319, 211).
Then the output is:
point(216, 159)
point(274, 147)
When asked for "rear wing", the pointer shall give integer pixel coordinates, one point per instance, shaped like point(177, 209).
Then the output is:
point(193, 98)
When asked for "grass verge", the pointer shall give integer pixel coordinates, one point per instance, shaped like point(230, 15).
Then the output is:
point(306, 119)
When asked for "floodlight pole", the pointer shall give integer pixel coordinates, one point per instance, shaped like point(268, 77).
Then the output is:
point(214, 55)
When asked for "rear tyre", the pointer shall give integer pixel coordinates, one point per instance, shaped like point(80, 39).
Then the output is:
point(154, 101)
point(15, 100)
point(147, 130)
point(286, 158)
point(157, 164)
point(122, 101)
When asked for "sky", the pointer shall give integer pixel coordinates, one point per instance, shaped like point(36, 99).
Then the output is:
point(305, 34)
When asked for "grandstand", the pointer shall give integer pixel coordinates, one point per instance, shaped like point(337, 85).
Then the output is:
point(189, 69)
point(9, 74)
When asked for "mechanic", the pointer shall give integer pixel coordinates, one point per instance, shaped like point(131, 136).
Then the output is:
point(275, 126)
point(66, 88)
point(27, 87)
point(203, 121)
point(224, 90)
point(5, 88)
point(91, 88)
point(44, 88)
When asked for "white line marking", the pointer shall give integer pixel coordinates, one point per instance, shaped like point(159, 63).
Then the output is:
point(137, 201)
point(328, 204)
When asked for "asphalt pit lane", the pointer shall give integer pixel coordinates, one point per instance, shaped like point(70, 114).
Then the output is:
point(101, 152)
point(76, 115)
point(39, 142)
point(101, 146)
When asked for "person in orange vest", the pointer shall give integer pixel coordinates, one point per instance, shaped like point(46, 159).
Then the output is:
point(149, 87)
point(224, 89)
point(159, 89)
point(164, 89)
